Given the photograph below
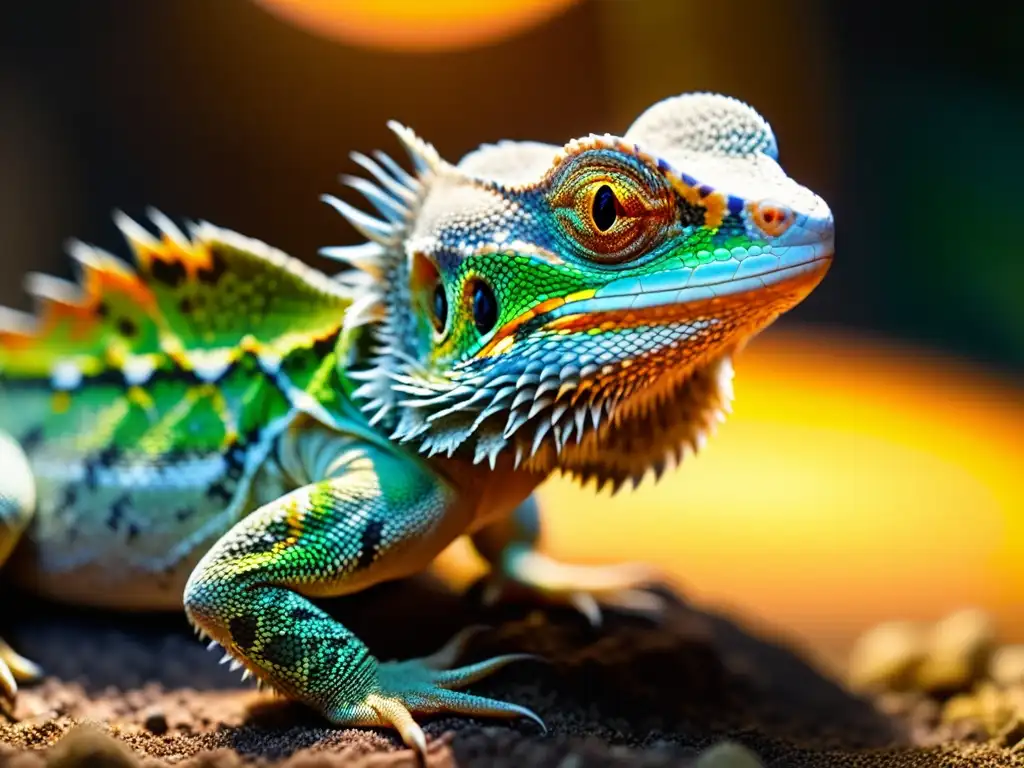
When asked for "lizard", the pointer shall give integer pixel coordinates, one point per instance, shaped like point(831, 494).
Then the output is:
point(218, 427)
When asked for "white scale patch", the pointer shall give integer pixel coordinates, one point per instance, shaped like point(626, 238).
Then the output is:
point(270, 362)
point(138, 369)
point(66, 375)
point(211, 367)
point(189, 474)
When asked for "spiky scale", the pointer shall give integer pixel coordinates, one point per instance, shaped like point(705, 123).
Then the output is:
point(373, 229)
point(385, 204)
point(153, 397)
point(389, 181)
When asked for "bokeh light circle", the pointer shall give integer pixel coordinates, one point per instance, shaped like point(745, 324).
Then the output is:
point(411, 25)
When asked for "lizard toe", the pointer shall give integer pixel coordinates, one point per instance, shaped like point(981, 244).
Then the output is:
point(428, 686)
point(587, 588)
point(21, 668)
point(14, 668)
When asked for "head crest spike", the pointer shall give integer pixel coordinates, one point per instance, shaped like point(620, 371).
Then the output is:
point(393, 210)
point(368, 257)
point(140, 240)
point(369, 227)
point(167, 227)
point(422, 153)
point(394, 183)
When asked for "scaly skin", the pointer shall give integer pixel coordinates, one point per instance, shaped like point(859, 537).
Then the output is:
point(222, 423)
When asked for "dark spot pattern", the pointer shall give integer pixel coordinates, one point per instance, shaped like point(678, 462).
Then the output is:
point(220, 491)
point(369, 542)
point(285, 650)
point(690, 215)
point(118, 511)
point(216, 270)
point(170, 273)
point(244, 630)
point(32, 439)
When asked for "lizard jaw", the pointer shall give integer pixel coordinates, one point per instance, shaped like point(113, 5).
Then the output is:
point(538, 411)
point(753, 277)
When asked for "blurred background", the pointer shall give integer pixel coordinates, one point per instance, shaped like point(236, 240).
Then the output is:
point(872, 468)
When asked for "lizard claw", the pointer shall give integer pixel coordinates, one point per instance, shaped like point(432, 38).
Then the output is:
point(14, 668)
point(587, 588)
point(428, 686)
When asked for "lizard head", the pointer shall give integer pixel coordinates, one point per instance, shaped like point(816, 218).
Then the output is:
point(578, 307)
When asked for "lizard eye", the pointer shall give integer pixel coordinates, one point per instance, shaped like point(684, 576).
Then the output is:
point(606, 217)
point(485, 306)
point(610, 207)
point(440, 307)
point(605, 208)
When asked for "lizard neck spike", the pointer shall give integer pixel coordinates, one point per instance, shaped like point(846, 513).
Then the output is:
point(383, 298)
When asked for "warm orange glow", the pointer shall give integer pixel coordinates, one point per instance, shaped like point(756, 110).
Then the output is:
point(410, 25)
point(852, 484)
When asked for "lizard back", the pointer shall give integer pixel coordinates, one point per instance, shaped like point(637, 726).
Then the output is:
point(148, 398)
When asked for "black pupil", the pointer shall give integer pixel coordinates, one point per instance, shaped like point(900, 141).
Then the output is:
point(485, 307)
point(440, 307)
point(604, 208)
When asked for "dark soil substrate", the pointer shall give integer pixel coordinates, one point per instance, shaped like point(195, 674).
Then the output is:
point(632, 693)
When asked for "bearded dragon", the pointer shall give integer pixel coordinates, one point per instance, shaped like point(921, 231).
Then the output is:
point(219, 427)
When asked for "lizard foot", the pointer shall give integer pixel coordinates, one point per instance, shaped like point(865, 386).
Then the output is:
point(427, 686)
point(584, 587)
point(14, 668)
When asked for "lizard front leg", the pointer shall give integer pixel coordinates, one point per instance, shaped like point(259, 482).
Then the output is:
point(17, 503)
point(510, 547)
point(376, 516)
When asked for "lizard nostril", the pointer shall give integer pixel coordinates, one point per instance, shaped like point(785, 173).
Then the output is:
point(771, 218)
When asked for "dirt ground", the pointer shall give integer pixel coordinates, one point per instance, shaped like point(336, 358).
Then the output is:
point(130, 691)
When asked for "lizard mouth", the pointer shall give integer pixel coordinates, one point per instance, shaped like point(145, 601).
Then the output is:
point(751, 278)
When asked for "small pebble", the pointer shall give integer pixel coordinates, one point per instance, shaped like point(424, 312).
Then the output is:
point(957, 649)
point(1012, 735)
point(991, 708)
point(1006, 666)
point(728, 754)
point(88, 745)
point(156, 723)
point(887, 656)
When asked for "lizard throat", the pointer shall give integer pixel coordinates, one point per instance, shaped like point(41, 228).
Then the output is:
point(560, 399)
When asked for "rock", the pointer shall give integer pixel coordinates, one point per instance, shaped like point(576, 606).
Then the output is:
point(887, 656)
point(1012, 735)
point(89, 745)
point(990, 707)
point(1006, 666)
point(156, 722)
point(956, 652)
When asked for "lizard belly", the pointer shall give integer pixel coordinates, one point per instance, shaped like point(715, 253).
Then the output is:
point(97, 584)
point(128, 535)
